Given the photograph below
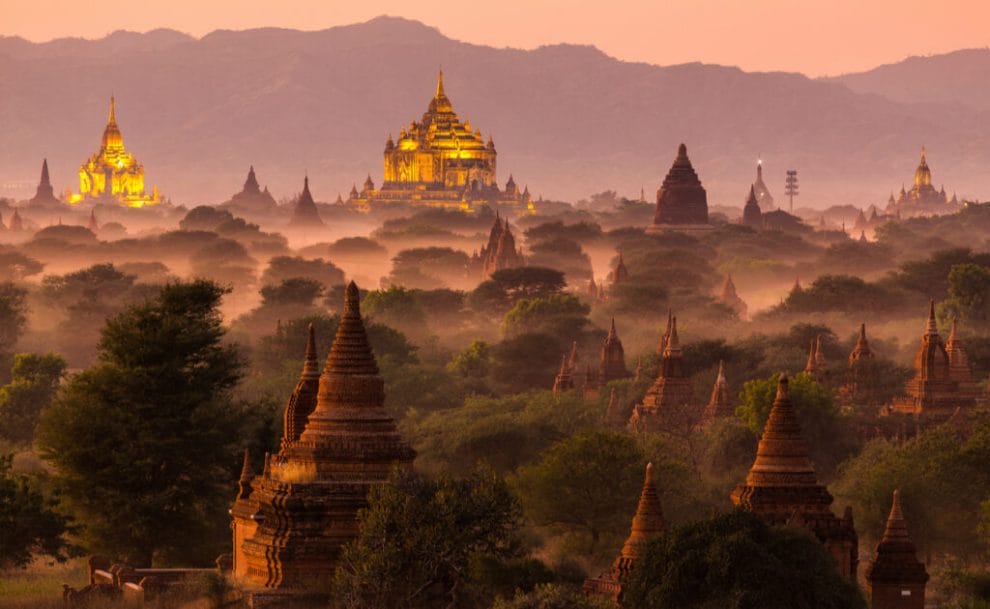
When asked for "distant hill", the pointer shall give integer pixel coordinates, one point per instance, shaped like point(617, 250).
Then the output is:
point(567, 120)
point(961, 77)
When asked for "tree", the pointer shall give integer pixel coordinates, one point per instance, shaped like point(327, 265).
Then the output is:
point(735, 561)
point(558, 314)
point(15, 266)
point(588, 483)
point(527, 361)
point(397, 307)
point(429, 268)
point(551, 596)
point(421, 541)
point(830, 437)
point(204, 217)
point(969, 294)
point(281, 268)
point(473, 362)
point(35, 379)
point(29, 523)
point(295, 291)
point(150, 433)
point(13, 316)
point(507, 286)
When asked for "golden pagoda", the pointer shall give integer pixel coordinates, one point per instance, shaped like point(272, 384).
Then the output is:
point(922, 199)
point(440, 162)
point(113, 174)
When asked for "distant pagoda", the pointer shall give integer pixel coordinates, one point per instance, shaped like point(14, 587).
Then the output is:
point(816, 366)
point(563, 381)
point(44, 196)
point(720, 403)
point(112, 174)
point(500, 252)
point(934, 393)
point(611, 364)
point(304, 212)
point(896, 579)
point(252, 198)
point(731, 299)
point(783, 489)
point(922, 199)
point(647, 523)
point(752, 214)
point(669, 403)
point(682, 204)
point(291, 521)
point(763, 197)
point(441, 162)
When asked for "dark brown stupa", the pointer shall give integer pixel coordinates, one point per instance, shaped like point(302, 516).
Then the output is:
point(782, 487)
point(932, 394)
point(304, 506)
point(620, 274)
point(500, 252)
point(647, 523)
point(896, 578)
point(302, 402)
point(682, 203)
point(752, 215)
point(304, 213)
point(719, 404)
point(730, 298)
point(959, 370)
point(816, 367)
point(563, 381)
point(252, 198)
point(45, 194)
point(856, 389)
point(612, 360)
point(669, 403)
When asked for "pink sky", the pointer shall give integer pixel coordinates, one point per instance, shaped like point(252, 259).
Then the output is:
point(817, 37)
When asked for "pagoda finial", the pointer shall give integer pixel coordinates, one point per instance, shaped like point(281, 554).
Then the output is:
point(44, 173)
point(440, 92)
point(931, 327)
point(923, 155)
point(673, 343)
point(311, 365)
point(112, 119)
point(247, 473)
point(611, 331)
point(720, 378)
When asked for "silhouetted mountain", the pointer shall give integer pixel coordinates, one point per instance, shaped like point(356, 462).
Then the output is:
point(961, 77)
point(567, 120)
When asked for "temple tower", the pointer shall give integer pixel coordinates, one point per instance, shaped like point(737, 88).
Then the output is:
point(730, 298)
point(682, 204)
point(782, 487)
point(620, 274)
point(896, 578)
point(302, 402)
point(959, 370)
point(817, 367)
point(719, 404)
point(500, 252)
point(668, 403)
point(752, 215)
point(763, 196)
point(45, 193)
point(305, 213)
point(563, 381)
point(252, 198)
point(306, 501)
point(647, 523)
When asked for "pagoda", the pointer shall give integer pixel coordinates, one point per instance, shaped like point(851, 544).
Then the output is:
point(16, 224)
point(669, 403)
point(682, 204)
point(112, 174)
point(614, 415)
point(563, 381)
point(441, 162)
point(620, 274)
point(856, 389)
point(932, 394)
point(647, 523)
point(922, 199)
point(719, 404)
point(305, 213)
point(783, 489)
point(896, 579)
point(291, 521)
point(760, 191)
point(731, 299)
point(500, 252)
point(44, 196)
point(252, 198)
point(816, 367)
point(611, 364)
point(959, 370)
point(752, 214)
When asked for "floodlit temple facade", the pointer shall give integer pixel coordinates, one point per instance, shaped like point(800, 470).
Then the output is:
point(922, 199)
point(112, 173)
point(441, 162)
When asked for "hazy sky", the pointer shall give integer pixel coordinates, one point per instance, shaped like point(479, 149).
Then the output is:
point(816, 37)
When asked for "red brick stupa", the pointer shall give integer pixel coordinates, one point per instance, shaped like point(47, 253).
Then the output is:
point(291, 521)
point(500, 252)
point(782, 487)
point(682, 203)
point(719, 404)
point(646, 524)
point(611, 364)
point(669, 404)
point(896, 578)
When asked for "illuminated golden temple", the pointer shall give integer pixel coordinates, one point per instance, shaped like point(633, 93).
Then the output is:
point(113, 174)
point(440, 162)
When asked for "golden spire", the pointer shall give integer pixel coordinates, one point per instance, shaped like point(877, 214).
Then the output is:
point(440, 93)
point(112, 119)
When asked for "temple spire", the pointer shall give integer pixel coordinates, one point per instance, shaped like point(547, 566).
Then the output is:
point(351, 353)
point(782, 457)
point(931, 327)
point(440, 92)
point(45, 180)
point(247, 473)
point(112, 118)
point(311, 365)
point(646, 523)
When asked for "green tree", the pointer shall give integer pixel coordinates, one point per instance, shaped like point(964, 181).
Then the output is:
point(559, 314)
point(29, 523)
point(397, 307)
point(322, 271)
point(527, 361)
point(13, 312)
point(35, 379)
point(295, 291)
point(422, 542)
point(145, 443)
point(588, 483)
point(829, 435)
point(507, 286)
point(736, 561)
point(969, 295)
